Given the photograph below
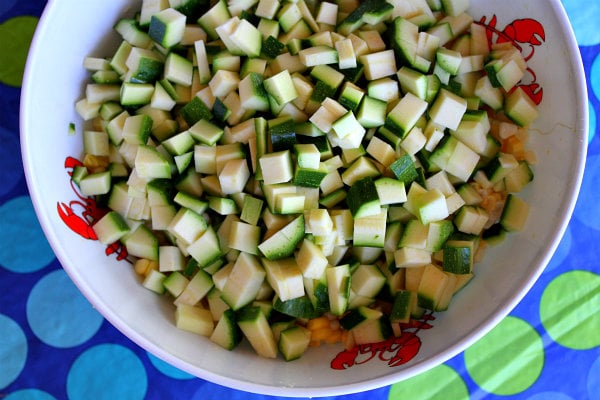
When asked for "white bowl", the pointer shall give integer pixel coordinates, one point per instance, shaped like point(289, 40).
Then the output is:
point(54, 80)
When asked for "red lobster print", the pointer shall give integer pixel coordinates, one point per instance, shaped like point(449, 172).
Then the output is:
point(394, 351)
point(520, 33)
point(89, 214)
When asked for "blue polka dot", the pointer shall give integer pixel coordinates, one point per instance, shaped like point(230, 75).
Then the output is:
point(584, 16)
point(550, 396)
point(29, 394)
point(107, 371)
point(562, 251)
point(58, 313)
point(595, 76)
point(593, 383)
point(167, 369)
point(592, 114)
point(586, 209)
point(13, 350)
point(24, 247)
point(10, 155)
point(6, 5)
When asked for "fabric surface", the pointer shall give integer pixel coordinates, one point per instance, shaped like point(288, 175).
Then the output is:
point(53, 345)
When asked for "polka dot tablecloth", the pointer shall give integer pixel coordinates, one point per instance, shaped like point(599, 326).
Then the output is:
point(53, 345)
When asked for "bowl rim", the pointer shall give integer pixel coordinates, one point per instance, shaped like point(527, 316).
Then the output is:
point(580, 87)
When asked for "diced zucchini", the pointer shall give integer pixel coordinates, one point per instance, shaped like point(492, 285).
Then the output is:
point(458, 256)
point(167, 27)
point(338, 286)
point(298, 307)
point(244, 281)
point(293, 342)
point(227, 333)
point(206, 249)
point(372, 331)
point(110, 228)
point(283, 243)
point(370, 130)
point(520, 108)
point(142, 243)
point(253, 323)
point(367, 280)
point(514, 214)
point(405, 114)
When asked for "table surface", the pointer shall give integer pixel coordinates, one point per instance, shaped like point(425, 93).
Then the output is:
point(47, 354)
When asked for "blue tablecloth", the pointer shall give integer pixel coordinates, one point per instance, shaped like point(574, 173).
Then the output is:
point(53, 345)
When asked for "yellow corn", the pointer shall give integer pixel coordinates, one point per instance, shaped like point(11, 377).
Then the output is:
point(317, 323)
point(320, 334)
point(333, 337)
point(143, 266)
point(95, 163)
point(325, 329)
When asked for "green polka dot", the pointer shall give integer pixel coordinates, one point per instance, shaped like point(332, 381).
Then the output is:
point(441, 382)
point(569, 309)
point(15, 38)
point(508, 359)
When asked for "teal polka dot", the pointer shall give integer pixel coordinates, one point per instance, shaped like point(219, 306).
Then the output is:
point(593, 383)
point(584, 17)
point(107, 371)
point(24, 247)
point(167, 369)
point(550, 396)
point(586, 209)
point(58, 313)
point(595, 76)
point(29, 394)
point(13, 350)
point(10, 155)
point(592, 130)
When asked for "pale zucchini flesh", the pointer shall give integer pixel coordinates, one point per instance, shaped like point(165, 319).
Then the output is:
point(285, 158)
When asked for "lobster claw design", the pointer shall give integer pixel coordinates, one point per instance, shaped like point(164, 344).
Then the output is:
point(525, 30)
point(118, 249)
point(409, 345)
point(75, 222)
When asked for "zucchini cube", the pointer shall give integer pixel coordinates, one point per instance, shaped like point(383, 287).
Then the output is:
point(405, 114)
point(458, 256)
point(167, 27)
point(448, 109)
point(281, 87)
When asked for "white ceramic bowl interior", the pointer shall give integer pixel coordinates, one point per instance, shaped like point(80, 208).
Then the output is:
point(70, 30)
